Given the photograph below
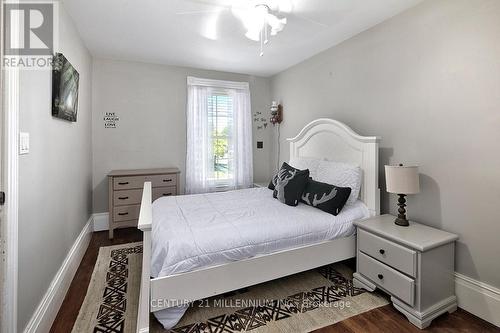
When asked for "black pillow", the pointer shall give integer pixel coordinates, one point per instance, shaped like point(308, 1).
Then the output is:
point(289, 184)
point(328, 198)
point(273, 181)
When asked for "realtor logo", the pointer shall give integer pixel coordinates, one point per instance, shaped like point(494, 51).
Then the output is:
point(30, 33)
point(36, 24)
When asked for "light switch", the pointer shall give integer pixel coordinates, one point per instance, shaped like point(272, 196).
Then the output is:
point(24, 143)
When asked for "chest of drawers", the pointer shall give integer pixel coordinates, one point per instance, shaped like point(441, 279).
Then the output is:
point(414, 264)
point(125, 193)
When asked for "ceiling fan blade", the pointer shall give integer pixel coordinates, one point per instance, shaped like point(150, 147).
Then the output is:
point(229, 4)
point(196, 12)
point(305, 18)
point(216, 3)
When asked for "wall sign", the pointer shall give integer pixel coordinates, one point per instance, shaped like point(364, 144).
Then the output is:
point(110, 120)
point(260, 121)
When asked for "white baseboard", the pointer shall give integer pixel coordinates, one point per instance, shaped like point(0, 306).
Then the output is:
point(478, 298)
point(101, 221)
point(46, 312)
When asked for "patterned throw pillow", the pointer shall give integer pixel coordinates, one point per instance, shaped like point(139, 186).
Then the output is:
point(288, 184)
point(328, 198)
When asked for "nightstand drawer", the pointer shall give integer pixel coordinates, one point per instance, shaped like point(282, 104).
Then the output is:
point(387, 278)
point(125, 213)
point(159, 192)
point(127, 197)
point(395, 255)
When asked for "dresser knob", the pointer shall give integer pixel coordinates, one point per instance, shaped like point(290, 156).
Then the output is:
point(167, 180)
point(380, 276)
point(381, 251)
point(122, 214)
point(122, 198)
point(124, 183)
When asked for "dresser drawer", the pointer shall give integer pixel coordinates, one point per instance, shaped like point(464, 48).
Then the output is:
point(135, 182)
point(126, 183)
point(125, 213)
point(387, 278)
point(127, 197)
point(395, 255)
point(163, 180)
point(159, 192)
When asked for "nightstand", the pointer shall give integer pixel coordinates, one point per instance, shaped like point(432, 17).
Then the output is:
point(414, 264)
point(260, 184)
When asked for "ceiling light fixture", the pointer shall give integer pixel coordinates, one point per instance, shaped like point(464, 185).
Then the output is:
point(261, 23)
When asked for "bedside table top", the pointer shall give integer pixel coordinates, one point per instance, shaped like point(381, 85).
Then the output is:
point(416, 236)
point(260, 184)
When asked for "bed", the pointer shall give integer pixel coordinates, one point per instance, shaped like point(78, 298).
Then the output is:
point(197, 246)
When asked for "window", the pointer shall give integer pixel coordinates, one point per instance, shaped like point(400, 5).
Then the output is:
point(219, 136)
point(220, 118)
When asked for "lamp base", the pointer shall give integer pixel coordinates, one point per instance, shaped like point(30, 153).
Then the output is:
point(401, 219)
point(401, 222)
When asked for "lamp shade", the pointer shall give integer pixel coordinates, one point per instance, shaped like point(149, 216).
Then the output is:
point(402, 179)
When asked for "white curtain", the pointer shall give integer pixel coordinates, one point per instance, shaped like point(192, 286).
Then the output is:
point(200, 157)
point(241, 143)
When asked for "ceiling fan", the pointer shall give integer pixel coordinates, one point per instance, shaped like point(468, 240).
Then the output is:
point(261, 18)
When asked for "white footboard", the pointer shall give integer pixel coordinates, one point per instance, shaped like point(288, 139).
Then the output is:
point(181, 288)
point(144, 224)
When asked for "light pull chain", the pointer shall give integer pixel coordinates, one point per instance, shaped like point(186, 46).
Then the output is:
point(262, 42)
point(266, 40)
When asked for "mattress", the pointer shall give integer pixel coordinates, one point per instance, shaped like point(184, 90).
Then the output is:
point(196, 231)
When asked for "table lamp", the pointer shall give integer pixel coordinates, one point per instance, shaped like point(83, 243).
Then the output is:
point(402, 180)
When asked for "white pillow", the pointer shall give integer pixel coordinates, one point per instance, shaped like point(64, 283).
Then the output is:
point(341, 174)
point(303, 163)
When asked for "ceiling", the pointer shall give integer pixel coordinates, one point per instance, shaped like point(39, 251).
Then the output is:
point(211, 37)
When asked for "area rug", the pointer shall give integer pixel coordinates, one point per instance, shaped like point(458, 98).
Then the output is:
point(298, 303)
point(112, 298)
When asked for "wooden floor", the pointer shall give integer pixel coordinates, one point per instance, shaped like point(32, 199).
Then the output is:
point(76, 293)
point(388, 319)
point(385, 319)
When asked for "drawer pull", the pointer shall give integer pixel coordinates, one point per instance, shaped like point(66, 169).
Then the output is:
point(167, 180)
point(123, 183)
point(382, 251)
point(122, 198)
point(380, 276)
point(122, 214)
point(166, 194)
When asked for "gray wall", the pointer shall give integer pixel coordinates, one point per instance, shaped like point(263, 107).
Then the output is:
point(150, 101)
point(58, 168)
point(428, 82)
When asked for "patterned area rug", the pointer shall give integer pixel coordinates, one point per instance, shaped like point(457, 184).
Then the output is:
point(298, 303)
point(112, 297)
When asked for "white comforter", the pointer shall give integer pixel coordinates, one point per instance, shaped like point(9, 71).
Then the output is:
point(195, 231)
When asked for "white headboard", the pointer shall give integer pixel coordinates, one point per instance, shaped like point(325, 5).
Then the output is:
point(333, 140)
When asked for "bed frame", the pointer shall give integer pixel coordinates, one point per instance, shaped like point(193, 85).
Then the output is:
point(322, 138)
